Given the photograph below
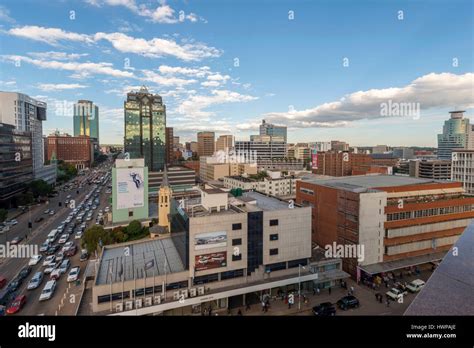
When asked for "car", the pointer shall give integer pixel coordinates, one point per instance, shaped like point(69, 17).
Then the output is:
point(14, 285)
point(34, 260)
point(52, 212)
point(73, 274)
point(348, 302)
point(395, 294)
point(25, 271)
point(67, 246)
point(44, 247)
point(3, 282)
point(17, 304)
point(64, 266)
point(48, 290)
point(49, 260)
point(324, 309)
point(415, 285)
point(63, 238)
point(39, 219)
point(89, 218)
point(94, 207)
point(71, 251)
point(11, 222)
point(35, 281)
point(70, 230)
point(55, 274)
point(16, 240)
point(84, 255)
point(46, 211)
point(106, 209)
point(60, 257)
point(52, 249)
point(51, 268)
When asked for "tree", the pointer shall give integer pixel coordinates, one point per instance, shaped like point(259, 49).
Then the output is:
point(24, 198)
point(93, 235)
point(39, 188)
point(3, 214)
point(134, 229)
point(118, 235)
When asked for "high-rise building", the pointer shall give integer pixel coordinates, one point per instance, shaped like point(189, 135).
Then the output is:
point(462, 169)
point(86, 119)
point(457, 134)
point(263, 147)
point(272, 130)
point(169, 145)
point(26, 115)
point(224, 142)
point(205, 143)
point(145, 123)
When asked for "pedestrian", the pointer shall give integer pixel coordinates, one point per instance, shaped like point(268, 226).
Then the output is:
point(210, 311)
point(377, 297)
point(263, 306)
point(317, 290)
point(239, 313)
point(247, 307)
point(388, 302)
point(314, 291)
point(352, 290)
point(329, 289)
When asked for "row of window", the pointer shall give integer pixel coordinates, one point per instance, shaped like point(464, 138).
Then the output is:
point(429, 212)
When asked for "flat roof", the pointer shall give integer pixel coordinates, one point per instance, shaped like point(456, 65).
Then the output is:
point(266, 203)
point(358, 182)
point(162, 252)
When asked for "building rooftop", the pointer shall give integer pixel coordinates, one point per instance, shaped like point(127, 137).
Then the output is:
point(366, 182)
point(266, 203)
point(163, 252)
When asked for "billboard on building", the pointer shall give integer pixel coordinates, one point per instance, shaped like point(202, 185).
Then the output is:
point(130, 188)
point(210, 240)
point(210, 261)
point(314, 158)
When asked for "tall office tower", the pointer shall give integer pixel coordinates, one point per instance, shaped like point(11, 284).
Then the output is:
point(145, 123)
point(225, 142)
point(86, 119)
point(169, 145)
point(272, 130)
point(457, 135)
point(26, 115)
point(205, 143)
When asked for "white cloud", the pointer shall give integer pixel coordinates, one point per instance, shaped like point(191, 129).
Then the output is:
point(49, 87)
point(88, 67)
point(54, 55)
point(152, 76)
point(175, 70)
point(5, 15)
point(51, 36)
point(443, 90)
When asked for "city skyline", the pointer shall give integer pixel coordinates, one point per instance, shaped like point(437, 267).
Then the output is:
point(324, 80)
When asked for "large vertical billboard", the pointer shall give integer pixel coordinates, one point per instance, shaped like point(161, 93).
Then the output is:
point(130, 188)
point(314, 159)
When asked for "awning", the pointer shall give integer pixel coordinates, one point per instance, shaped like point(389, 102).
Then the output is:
point(377, 268)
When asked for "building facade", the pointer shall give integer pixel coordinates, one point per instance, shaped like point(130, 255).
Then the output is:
point(212, 168)
point(169, 145)
point(278, 187)
point(457, 134)
point(86, 119)
point(205, 143)
point(264, 147)
point(77, 151)
point(179, 178)
point(462, 169)
point(145, 128)
point(273, 130)
point(225, 142)
point(430, 169)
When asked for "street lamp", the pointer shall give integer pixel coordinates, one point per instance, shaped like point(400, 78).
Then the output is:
point(299, 285)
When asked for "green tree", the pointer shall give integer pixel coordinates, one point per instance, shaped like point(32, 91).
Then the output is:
point(118, 235)
point(3, 214)
point(93, 235)
point(134, 229)
point(39, 188)
point(24, 198)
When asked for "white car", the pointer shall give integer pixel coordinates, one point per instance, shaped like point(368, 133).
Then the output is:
point(395, 294)
point(51, 212)
point(55, 274)
point(48, 290)
point(73, 274)
point(49, 261)
point(34, 260)
point(63, 238)
point(78, 235)
point(67, 246)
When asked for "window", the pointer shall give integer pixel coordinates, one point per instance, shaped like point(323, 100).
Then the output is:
point(237, 241)
point(274, 236)
point(237, 257)
point(275, 267)
point(236, 226)
point(232, 274)
point(130, 213)
point(274, 222)
point(274, 251)
point(206, 279)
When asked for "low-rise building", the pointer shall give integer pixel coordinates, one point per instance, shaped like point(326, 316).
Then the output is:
point(77, 151)
point(279, 187)
point(215, 168)
point(462, 169)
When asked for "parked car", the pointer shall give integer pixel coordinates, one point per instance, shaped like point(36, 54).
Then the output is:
point(48, 290)
point(16, 240)
point(3, 282)
point(35, 281)
point(415, 285)
point(39, 219)
point(11, 222)
point(71, 251)
point(25, 271)
point(84, 255)
point(73, 274)
point(67, 246)
point(63, 238)
point(348, 302)
point(60, 257)
point(324, 309)
point(17, 304)
point(34, 260)
point(395, 294)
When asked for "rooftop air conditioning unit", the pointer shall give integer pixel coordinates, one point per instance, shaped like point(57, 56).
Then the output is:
point(138, 303)
point(192, 292)
point(201, 290)
point(176, 295)
point(184, 292)
point(148, 301)
point(157, 299)
point(119, 307)
point(129, 305)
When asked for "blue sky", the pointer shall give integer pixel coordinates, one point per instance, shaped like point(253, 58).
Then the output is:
point(322, 68)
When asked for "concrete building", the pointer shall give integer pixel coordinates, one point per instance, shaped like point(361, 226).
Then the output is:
point(231, 252)
point(320, 146)
point(337, 146)
point(129, 191)
point(404, 153)
point(462, 169)
point(225, 142)
point(48, 173)
point(273, 130)
point(430, 169)
point(339, 163)
point(212, 168)
point(278, 187)
point(263, 147)
point(26, 115)
point(192, 146)
point(145, 128)
point(400, 221)
point(179, 178)
point(380, 149)
point(205, 143)
point(458, 134)
point(77, 151)
point(281, 164)
point(300, 151)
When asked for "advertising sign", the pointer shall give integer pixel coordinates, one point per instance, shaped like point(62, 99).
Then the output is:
point(210, 240)
point(130, 188)
point(209, 261)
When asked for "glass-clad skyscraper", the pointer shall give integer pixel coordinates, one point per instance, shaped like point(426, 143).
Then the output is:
point(457, 134)
point(272, 130)
point(145, 128)
point(86, 119)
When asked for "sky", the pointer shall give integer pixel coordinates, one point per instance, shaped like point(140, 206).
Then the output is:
point(326, 69)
